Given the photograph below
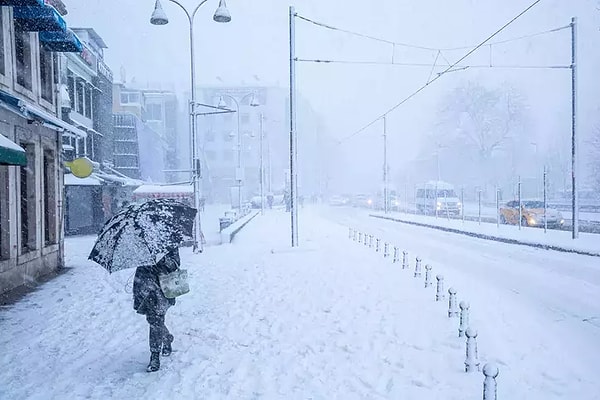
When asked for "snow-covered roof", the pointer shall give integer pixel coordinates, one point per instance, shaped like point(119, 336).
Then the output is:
point(146, 189)
point(92, 180)
point(437, 184)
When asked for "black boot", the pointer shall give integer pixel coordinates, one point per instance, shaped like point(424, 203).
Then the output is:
point(167, 349)
point(154, 362)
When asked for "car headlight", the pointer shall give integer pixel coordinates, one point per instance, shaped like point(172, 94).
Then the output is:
point(562, 221)
point(531, 221)
point(439, 204)
point(459, 204)
point(369, 201)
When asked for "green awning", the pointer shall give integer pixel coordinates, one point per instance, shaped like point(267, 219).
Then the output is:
point(11, 153)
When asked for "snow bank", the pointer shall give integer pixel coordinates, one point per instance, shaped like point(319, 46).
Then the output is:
point(586, 244)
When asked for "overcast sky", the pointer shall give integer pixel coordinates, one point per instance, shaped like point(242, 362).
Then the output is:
point(253, 49)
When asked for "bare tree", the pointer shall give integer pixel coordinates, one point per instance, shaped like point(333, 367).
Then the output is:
point(483, 119)
point(482, 126)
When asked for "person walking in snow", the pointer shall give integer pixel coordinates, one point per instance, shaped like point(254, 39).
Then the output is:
point(149, 300)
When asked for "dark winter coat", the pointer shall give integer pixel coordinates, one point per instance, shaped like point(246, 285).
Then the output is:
point(148, 297)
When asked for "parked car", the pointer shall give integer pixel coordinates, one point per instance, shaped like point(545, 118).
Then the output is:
point(532, 214)
point(437, 197)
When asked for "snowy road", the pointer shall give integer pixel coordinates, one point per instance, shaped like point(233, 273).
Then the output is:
point(556, 295)
point(330, 320)
point(567, 285)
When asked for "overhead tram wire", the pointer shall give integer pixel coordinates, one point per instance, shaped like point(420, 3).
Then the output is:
point(429, 48)
point(473, 50)
point(428, 65)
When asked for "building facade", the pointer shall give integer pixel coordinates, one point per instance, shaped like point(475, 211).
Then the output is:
point(269, 119)
point(31, 194)
point(86, 101)
point(145, 132)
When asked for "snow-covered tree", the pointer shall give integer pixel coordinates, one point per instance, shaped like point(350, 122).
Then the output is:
point(481, 130)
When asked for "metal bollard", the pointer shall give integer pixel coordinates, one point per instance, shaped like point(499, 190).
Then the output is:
point(428, 282)
point(472, 360)
point(355, 235)
point(490, 371)
point(439, 293)
point(464, 318)
point(396, 259)
point(366, 239)
point(370, 241)
point(377, 245)
point(360, 237)
point(452, 306)
point(404, 259)
point(386, 250)
point(418, 268)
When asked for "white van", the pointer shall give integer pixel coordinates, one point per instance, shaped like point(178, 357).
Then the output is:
point(437, 197)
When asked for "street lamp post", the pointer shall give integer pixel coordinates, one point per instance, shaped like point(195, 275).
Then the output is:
point(262, 167)
point(160, 18)
point(385, 168)
point(253, 103)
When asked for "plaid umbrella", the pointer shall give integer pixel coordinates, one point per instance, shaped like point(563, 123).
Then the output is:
point(142, 234)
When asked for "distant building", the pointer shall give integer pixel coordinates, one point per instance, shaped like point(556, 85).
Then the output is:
point(218, 142)
point(139, 150)
point(155, 115)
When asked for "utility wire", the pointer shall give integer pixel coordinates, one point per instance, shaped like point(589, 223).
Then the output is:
point(433, 66)
point(473, 50)
point(462, 66)
point(420, 47)
point(333, 28)
point(532, 35)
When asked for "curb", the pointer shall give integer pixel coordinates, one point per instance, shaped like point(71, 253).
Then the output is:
point(229, 233)
point(490, 237)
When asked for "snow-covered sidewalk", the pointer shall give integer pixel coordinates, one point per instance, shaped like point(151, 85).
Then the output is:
point(330, 320)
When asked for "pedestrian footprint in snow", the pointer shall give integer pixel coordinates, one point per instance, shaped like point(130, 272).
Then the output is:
point(148, 236)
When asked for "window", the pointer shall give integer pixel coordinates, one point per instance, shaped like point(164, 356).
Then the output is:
point(49, 198)
point(27, 200)
point(4, 214)
point(23, 57)
point(89, 146)
point(88, 101)
point(46, 74)
point(227, 155)
point(80, 93)
point(71, 85)
point(126, 148)
point(130, 98)
point(2, 50)
point(245, 118)
point(154, 112)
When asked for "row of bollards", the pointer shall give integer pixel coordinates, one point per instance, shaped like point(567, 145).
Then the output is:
point(455, 309)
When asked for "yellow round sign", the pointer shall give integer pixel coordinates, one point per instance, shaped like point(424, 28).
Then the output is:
point(81, 167)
